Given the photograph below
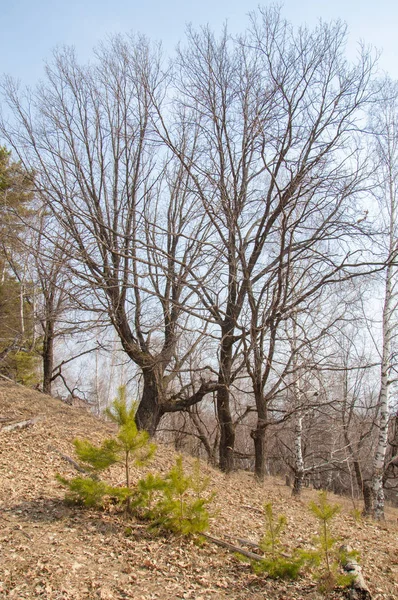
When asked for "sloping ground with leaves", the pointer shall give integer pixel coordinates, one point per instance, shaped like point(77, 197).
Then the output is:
point(51, 550)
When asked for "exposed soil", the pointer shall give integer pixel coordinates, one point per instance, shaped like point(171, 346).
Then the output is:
point(50, 550)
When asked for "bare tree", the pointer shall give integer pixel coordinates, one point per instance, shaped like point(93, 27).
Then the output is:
point(132, 226)
point(384, 125)
point(276, 166)
point(207, 207)
point(51, 298)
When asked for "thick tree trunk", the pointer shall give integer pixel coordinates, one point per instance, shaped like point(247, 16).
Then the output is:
point(259, 440)
point(227, 427)
point(227, 431)
point(258, 436)
point(358, 475)
point(378, 496)
point(150, 408)
point(298, 483)
point(367, 499)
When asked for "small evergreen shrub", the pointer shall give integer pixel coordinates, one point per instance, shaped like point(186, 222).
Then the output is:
point(85, 491)
point(147, 495)
point(328, 556)
point(129, 446)
point(277, 564)
point(176, 502)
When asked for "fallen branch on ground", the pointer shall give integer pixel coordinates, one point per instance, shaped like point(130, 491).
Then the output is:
point(232, 548)
point(359, 590)
point(253, 509)
point(72, 462)
point(20, 424)
point(244, 542)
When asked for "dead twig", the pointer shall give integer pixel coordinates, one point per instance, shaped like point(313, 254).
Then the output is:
point(232, 548)
point(72, 462)
point(20, 425)
point(244, 542)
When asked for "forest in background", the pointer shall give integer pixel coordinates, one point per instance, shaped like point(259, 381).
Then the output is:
point(218, 231)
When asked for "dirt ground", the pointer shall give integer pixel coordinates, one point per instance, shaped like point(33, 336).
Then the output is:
point(53, 551)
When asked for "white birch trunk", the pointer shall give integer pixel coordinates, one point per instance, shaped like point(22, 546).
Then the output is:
point(384, 395)
point(381, 449)
point(298, 455)
point(386, 145)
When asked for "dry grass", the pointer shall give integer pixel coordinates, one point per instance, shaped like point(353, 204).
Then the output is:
point(49, 550)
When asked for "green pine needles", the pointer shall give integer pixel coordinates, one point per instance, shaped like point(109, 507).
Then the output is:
point(176, 502)
point(129, 447)
point(85, 491)
point(328, 556)
point(277, 563)
point(179, 502)
point(183, 507)
point(325, 559)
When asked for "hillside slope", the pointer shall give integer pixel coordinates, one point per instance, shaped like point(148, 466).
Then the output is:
point(50, 550)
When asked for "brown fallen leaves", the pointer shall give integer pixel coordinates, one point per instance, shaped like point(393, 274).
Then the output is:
point(51, 551)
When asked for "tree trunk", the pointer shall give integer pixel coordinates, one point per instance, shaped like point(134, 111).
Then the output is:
point(227, 431)
point(150, 408)
point(48, 357)
point(227, 427)
point(358, 475)
point(258, 436)
point(379, 458)
point(367, 499)
point(298, 456)
point(204, 439)
point(298, 459)
point(381, 449)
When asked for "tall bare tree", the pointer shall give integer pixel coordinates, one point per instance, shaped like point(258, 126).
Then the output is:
point(132, 226)
point(384, 125)
point(276, 165)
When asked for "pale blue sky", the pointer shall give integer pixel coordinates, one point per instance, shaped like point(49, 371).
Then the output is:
point(30, 30)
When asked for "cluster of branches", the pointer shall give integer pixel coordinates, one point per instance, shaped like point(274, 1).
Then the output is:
point(214, 213)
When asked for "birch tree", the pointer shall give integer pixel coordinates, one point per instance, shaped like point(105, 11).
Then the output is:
point(384, 125)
